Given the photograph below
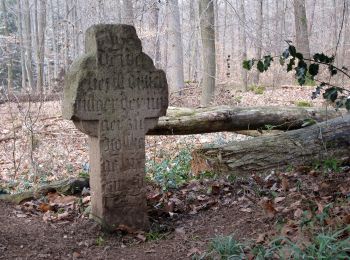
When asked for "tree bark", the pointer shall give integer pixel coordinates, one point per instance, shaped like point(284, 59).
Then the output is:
point(182, 121)
point(7, 48)
point(154, 28)
point(259, 17)
point(128, 12)
point(244, 45)
point(65, 187)
point(175, 68)
point(28, 44)
point(21, 43)
point(41, 23)
point(304, 146)
point(301, 30)
point(54, 41)
point(207, 23)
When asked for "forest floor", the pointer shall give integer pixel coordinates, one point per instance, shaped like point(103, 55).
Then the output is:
point(187, 212)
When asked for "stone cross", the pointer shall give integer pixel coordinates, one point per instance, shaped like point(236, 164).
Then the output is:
point(114, 94)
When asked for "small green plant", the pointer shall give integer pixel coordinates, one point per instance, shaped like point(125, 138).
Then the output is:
point(207, 175)
point(324, 246)
point(154, 236)
point(331, 165)
point(171, 173)
point(100, 241)
point(303, 103)
point(226, 247)
point(258, 90)
point(238, 99)
point(328, 165)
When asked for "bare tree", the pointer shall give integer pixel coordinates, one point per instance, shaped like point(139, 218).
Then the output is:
point(301, 32)
point(21, 43)
point(28, 44)
point(175, 67)
point(9, 59)
point(154, 28)
point(259, 35)
point(244, 44)
point(40, 48)
point(127, 12)
point(207, 23)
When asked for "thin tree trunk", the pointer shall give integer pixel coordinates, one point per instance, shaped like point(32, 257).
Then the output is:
point(28, 42)
point(207, 23)
point(302, 37)
point(175, 69)
point(119, 11)
point(41, 45)
point(54, 41)
point(244, 45)
point(154, 27)
point(21, 44)
point(259, 18)
point(7, 48)
point(66, 34)
point(128, 12)
point(311, 23)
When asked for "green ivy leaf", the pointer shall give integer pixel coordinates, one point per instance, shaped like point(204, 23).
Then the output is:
point(320, 57)
point(248, 64)
point(285, 54)
point(347, 104)
point(301, 75)
point(267, 62)
point(313, 69)
point(292, 50)
point(290, 64)
point(299, 56)
point(332, 70)
point(331, 94)
point(260, 66)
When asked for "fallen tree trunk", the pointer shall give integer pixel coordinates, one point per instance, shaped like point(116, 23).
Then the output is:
point(183, 121)
point(65, 187)
point(299, 147)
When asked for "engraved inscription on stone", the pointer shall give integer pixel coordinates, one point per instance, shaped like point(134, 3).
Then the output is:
point(115, 95)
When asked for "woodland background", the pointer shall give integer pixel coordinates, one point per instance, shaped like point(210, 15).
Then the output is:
point(39, 39)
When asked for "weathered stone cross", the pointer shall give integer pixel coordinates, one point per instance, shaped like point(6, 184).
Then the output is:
point(115, 95)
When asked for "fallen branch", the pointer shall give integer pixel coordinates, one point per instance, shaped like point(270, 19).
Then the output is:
point(183, 121)
point(65, 187)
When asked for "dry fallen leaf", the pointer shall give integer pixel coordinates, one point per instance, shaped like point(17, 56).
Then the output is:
point(141, 237)
point(246, 210)
point(285, 184)
point(261, 238)
point(63, 216)
point(44, 207)
point(268, 207)
point(279, 199)
point(126, 229)
point(298, 213)
point(193, 251)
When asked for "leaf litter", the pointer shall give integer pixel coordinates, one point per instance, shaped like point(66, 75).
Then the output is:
point(280, 204)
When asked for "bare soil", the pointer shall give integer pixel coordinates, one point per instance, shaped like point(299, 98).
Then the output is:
point(31, 238)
